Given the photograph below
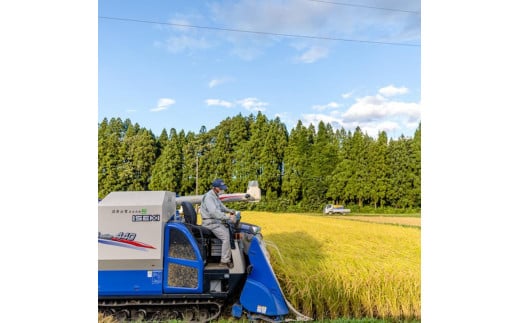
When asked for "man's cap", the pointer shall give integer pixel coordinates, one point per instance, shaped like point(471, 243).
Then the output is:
point(220, 184)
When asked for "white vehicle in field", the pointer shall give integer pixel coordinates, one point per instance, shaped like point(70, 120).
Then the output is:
point(332, 208)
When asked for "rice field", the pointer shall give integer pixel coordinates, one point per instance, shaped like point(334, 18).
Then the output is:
point(344, 269)
point(331, 268)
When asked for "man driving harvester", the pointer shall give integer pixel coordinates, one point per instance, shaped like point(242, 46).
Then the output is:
point(213, 213)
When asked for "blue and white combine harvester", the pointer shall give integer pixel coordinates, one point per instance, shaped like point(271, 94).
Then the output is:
point(156, 265)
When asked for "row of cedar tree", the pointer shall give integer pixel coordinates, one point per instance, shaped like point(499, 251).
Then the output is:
point(300, 170)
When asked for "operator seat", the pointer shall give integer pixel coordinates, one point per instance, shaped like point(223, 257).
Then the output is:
point(190, 215)
point(190, 218)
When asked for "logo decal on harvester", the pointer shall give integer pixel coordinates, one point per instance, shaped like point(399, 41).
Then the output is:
point(146, 218)
point(123, 239)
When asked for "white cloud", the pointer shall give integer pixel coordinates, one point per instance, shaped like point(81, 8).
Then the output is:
point(313, 54)
point(309, 18)
point(328, 106)
point(372, 114)
point(375, 107)
point(181, 43)
point(253, 104)
point(220, 103)
point(214, 83)
point(185, 38)
point(218, 81)
point(347, 95)
point(373, 128)
point(392, 90)
point(181, 22)
point(250, 104)
point(269, 18)
point(163, 104)
point(157, 109)
point(309, 118)
point(247, 49)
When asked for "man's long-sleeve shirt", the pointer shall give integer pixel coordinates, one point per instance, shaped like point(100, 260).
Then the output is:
point(212, 208)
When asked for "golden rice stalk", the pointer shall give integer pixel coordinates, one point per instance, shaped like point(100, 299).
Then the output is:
point(331, 268)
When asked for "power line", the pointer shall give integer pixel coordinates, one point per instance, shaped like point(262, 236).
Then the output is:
point(257, 32)
point(363, 6)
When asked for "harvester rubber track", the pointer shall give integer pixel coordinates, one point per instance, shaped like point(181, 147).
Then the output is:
point(161, 310)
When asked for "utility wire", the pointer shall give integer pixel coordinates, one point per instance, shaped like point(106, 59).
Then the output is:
point(257, 32)
point(363, 6)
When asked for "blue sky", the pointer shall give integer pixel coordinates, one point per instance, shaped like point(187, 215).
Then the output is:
point(353, 66)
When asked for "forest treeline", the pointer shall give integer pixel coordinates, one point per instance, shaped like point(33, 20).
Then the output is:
point(300, 170)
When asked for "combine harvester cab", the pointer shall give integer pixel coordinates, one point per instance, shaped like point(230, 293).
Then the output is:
point(155, 265)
